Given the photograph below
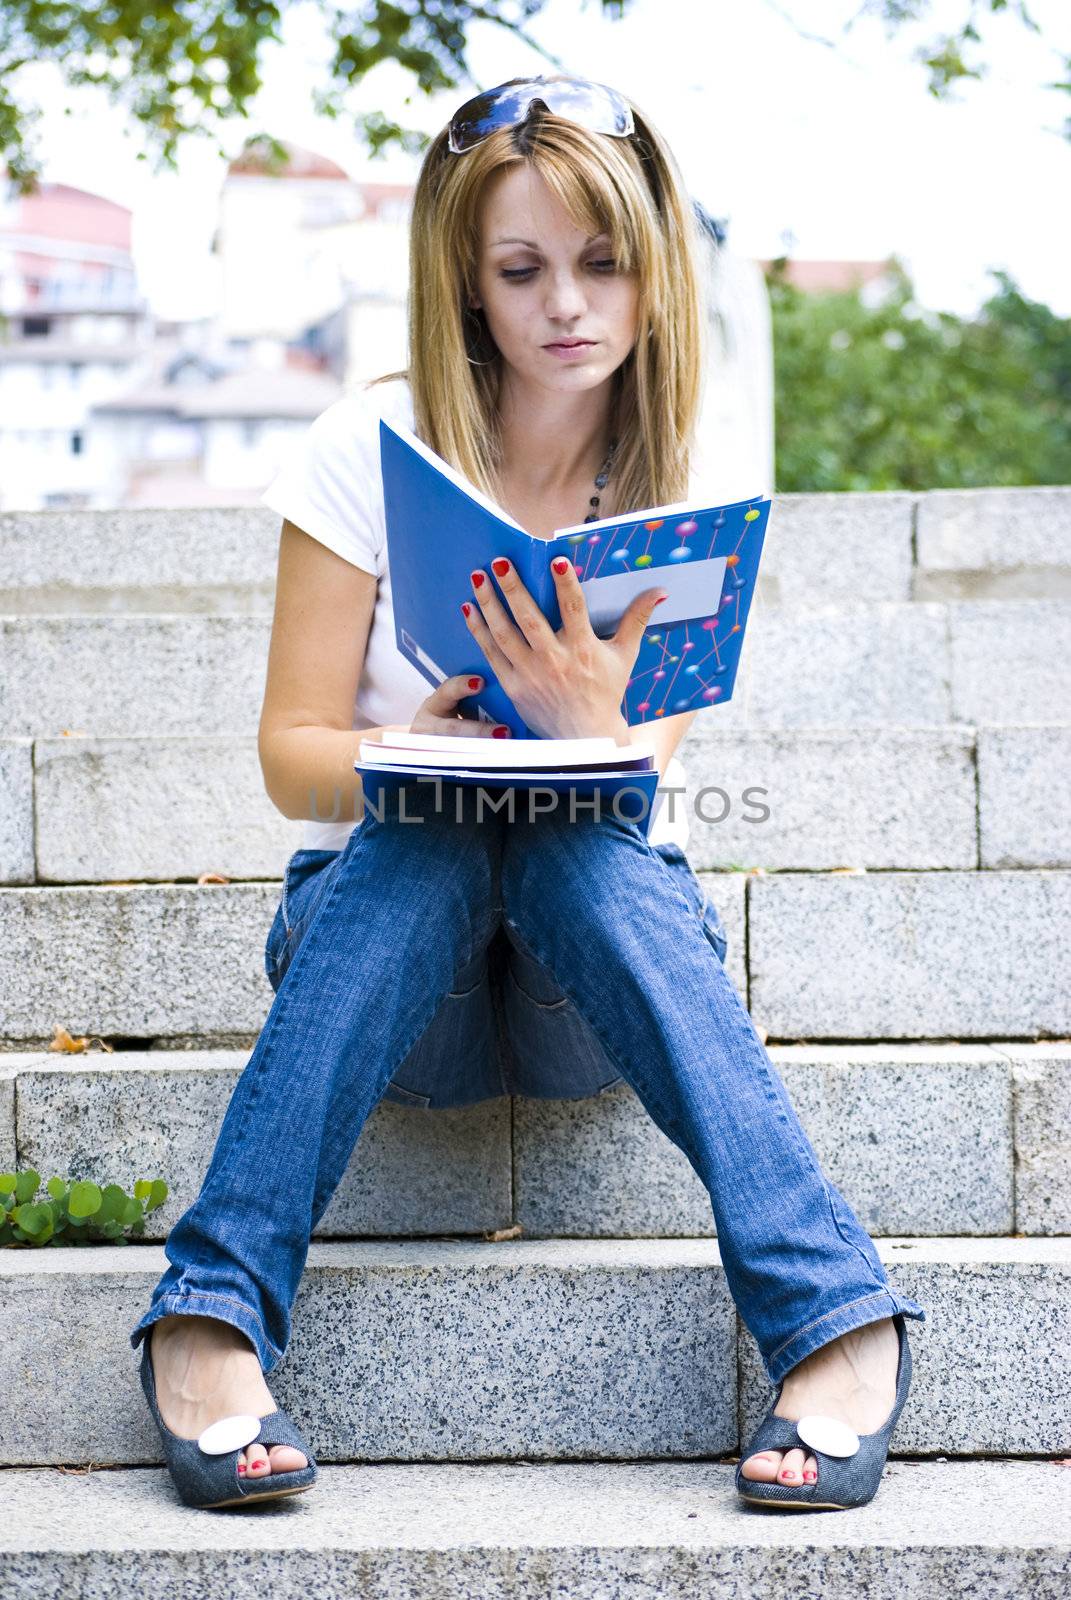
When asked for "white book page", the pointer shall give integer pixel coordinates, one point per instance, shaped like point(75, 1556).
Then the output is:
point(572, 772)
point(552, 749)
point(494, 753)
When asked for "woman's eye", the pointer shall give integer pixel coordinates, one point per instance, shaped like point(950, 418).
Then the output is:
point(518, 274)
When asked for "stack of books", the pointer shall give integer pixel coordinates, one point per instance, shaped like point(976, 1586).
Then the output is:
point(551, 767)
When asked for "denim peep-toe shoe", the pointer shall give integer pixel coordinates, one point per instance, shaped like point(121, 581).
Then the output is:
point(205, 1470)
point(850, 1465)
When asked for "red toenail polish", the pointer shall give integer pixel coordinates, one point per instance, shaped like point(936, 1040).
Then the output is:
point(241, 1466)
point(810, 1476)
point(787, 1473)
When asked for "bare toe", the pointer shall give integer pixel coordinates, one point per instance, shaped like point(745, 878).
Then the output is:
point(284, 1458)
point(763, 1467)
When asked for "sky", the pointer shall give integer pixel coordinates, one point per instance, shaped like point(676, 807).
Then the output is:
point(838, 153)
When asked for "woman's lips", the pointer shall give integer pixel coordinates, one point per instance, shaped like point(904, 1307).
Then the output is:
point(563, 351)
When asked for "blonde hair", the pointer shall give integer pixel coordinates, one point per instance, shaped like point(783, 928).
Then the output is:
point(632, 188)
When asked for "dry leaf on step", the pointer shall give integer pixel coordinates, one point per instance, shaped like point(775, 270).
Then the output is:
point(69, 1045)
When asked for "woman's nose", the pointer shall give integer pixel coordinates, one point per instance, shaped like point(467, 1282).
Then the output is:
point(565, 298)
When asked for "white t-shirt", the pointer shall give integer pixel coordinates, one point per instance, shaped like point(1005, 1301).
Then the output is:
point(331, 486)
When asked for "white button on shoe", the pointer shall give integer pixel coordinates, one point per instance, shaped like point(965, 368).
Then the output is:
point(828, 1435)
point(229, 1433)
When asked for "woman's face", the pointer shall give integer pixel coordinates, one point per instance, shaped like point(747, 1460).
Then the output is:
point(540, 280)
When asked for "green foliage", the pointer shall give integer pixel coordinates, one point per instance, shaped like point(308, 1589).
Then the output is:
point(180, 67)
point(74, 1213)
point(895, 397)
point(948, 58)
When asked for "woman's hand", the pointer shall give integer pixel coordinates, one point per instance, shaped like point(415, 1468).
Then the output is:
point(439, 713)
point(567, 684)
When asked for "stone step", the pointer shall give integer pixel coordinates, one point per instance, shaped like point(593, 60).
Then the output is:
point(167, 560)
point(993, 543)
point(588, 1530)
point(852, 548)
point(837, 956)
point(909, 955)
point(886, 1122)
point(900, 664)
point(456, 1350)
point(96, 810)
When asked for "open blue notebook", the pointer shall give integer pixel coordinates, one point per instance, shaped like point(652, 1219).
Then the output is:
point(440, 527)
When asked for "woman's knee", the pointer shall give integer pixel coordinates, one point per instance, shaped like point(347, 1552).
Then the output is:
point(428, 871)
point(579, 882)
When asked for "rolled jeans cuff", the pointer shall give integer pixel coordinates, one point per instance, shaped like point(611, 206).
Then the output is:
point(224, 1308)
point(869, 1308)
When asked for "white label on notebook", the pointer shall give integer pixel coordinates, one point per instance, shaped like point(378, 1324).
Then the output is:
point(694, 590)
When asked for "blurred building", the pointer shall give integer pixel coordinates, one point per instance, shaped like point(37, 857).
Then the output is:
point(207, 426)
point(73, 329)
point(301, 246)
point(102, 405)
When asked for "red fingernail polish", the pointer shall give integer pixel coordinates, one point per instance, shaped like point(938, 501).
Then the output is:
point(501, 732)
point(466, 608)
point(474, 683)
point(477, 578)
point(500, 567)
point(560, 566)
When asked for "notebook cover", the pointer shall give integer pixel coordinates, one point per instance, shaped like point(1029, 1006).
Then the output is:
point(439, 528)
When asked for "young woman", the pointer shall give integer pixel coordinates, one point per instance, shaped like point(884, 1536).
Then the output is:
point(555, 357)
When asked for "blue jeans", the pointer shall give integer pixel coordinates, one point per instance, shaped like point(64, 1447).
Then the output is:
point(451, 958)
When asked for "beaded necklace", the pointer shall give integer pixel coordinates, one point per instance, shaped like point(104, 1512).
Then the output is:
point(600, 483)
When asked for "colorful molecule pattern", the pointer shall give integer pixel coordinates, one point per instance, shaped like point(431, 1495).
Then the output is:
point(667, 678)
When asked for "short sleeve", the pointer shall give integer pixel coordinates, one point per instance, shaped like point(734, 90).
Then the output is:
point(331, 480)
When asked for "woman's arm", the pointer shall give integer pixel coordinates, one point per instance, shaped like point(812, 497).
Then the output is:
point(666, 734)
point(306, 740)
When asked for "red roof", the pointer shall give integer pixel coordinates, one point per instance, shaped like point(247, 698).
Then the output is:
point(58, 211)
point(301, 163)
point(830, 277)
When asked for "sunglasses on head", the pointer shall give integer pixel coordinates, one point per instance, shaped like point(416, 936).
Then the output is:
point(592, 105)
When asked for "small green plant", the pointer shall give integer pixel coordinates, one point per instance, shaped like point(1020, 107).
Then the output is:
point(73, 1212)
